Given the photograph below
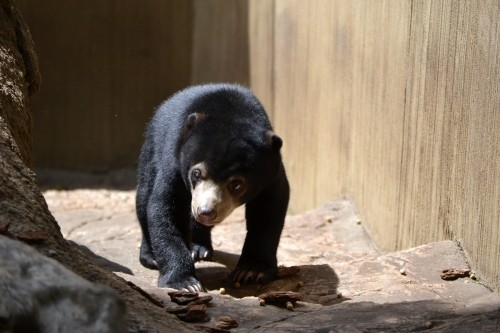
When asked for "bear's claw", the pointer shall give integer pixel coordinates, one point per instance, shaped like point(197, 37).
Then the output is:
point(189, 284)
point(250, 275)
point(200, 252)
point(148, 262)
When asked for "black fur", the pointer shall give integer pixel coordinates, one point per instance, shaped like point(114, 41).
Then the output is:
point(225, 127)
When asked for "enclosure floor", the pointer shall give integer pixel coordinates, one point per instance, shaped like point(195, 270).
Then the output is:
point(346, 284)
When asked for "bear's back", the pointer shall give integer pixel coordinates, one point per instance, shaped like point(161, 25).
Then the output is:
point(227, 103)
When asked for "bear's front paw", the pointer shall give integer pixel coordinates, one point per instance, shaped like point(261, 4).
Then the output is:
point(201, 252)
point(187, 284)
point(254, 274)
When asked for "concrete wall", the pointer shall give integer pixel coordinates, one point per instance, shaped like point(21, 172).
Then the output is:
point(392, 103)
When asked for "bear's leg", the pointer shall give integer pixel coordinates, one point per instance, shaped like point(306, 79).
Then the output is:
point(201, 248)
point(146, 255)
point(265, 219)
point(143, 191)
point(168, 222)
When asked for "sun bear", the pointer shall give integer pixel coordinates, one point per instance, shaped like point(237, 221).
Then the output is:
point(207, 150)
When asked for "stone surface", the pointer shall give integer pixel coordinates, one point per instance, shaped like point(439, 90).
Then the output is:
point(41, 295)
point(345, 282)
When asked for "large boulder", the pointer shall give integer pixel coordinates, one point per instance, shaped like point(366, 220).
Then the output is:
point(41, 295)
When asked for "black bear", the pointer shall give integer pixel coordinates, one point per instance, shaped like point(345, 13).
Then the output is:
point(207, 150)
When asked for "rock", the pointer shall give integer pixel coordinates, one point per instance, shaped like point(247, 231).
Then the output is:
point(41, 295)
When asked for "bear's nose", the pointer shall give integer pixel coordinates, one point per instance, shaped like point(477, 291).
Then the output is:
point(206, 214)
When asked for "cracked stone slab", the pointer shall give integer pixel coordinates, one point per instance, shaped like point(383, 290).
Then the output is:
point(346, 283)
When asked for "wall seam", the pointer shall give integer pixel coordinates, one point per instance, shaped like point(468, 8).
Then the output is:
point(401, 208)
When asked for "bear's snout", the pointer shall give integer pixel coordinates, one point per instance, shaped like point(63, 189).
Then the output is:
point(211, 202)
point(206, 215)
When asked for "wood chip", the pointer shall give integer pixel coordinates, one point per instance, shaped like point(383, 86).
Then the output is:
point(202, 300)
point(196, 314)
point(280, 297)
point(189, 298)
point(182, 297)
point(179, 309)
point(453, 273)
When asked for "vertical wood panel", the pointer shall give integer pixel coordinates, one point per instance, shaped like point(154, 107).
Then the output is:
point(340, 78)
point(220, 41)
point(474, 143)
point(378, 95)
point(296, 113)
point(261, 51)
point(450, 155)
point(396, 104)
point(105, 66)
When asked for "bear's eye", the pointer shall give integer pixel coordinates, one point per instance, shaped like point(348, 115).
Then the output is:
point(196, 175)
point(236, 186)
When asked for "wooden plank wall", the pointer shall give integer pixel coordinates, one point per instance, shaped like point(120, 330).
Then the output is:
point(105, 66)
point(220, 41)
point(396, 105)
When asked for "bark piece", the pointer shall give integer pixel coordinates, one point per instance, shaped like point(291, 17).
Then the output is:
point(280, 297)
point(450, 274)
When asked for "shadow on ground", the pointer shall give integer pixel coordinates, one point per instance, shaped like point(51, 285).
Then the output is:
point(101, 261)
point(317, 283)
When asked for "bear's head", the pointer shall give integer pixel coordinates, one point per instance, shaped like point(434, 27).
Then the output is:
point(226, 164)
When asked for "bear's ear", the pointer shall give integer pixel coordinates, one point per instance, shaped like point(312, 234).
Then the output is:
point(194, 119)
point(191, 122)
point(274, 140)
